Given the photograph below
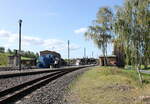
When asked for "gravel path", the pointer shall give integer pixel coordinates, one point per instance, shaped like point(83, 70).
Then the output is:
point(9, 82)
point(52, 93)
point(145, 71)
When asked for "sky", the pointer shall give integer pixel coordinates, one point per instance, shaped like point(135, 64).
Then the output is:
point(49, 24)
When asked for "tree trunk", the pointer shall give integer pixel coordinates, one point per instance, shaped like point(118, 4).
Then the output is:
point(104, 55)
point(139, 74)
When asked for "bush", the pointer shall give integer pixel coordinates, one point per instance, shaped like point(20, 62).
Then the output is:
point(3, 59)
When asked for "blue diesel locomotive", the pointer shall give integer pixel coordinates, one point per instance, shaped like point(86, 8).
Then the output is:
point(48, 59)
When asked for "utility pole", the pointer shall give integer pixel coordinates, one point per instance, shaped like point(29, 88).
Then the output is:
point(84, 52)
point(20, 23)
point(92, 54)
point(68, 52)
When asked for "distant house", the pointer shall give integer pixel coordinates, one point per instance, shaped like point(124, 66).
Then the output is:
point(28, 62)
point(13, 61)
point(117, 58)
point(111, 60)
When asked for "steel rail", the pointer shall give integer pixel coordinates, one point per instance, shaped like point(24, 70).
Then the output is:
point(37, 71)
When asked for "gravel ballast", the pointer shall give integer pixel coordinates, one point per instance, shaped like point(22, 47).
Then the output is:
point(16, 68)
point(10, 82)
point(53, 92)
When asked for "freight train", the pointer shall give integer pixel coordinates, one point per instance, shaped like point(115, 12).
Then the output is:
point(86, 61)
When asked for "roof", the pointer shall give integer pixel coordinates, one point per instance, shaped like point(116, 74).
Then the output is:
point(49, 52)
point(112, 56)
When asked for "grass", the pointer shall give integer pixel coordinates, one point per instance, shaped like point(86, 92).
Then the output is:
point(148, 67)
point(134, 67)
point(108, 85)
point(3, 59)
point(25, 58)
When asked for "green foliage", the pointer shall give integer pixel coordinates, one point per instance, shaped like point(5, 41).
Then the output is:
point(131, 25)
point(3, 59)
point(27, 54)
point(9, 51)
point(100, 32)
point(30, 54)
point(2, 49)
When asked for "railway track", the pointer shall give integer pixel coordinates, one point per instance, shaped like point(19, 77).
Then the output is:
point(10, 74)
point(16, 68)
point(17, 92)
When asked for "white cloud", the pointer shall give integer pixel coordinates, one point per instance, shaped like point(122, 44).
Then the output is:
point(30, 41)
point(54, 44)
point(4, 34)
point(74, 47)
point(58, 45)
point(81, 30)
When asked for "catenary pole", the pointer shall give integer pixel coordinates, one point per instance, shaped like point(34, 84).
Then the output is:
point(68, 52)
point(20, 24)
point(84, 52)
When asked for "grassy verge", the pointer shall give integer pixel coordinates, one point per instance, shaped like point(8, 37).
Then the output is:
point(108, 85)
point(25, 58)
point(3, 59)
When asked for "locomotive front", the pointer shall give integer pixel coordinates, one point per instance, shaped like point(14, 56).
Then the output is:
point(48, 59)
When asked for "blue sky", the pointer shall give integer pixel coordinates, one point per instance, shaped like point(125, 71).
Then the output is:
point(48, 24)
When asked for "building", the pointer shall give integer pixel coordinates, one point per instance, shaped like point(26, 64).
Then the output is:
point(118, 56)
point(45, 52)
point(13, 61)
point(28, 62)
point(111, 60)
